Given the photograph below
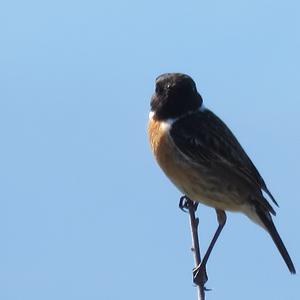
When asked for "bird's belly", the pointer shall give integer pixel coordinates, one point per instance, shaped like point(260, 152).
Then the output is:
point(199, 185)
point(195, 181)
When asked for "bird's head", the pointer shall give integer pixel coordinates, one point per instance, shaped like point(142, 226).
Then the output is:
point(175, 95)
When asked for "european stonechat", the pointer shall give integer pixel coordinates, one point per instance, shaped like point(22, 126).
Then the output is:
point(203, 158)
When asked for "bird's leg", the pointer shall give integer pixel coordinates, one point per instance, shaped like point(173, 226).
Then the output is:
point(199, 272)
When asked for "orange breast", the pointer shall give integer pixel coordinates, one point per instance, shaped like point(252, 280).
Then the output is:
point(161, 144)
point(172, 162)
point(189, 177)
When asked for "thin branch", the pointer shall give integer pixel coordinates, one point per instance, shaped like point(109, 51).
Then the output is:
point(185, 202)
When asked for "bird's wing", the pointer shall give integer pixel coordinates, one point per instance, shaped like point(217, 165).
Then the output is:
point(204, 138)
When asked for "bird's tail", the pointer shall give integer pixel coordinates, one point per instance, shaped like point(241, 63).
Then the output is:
point(266, 219)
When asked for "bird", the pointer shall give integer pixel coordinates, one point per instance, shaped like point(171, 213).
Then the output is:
point(204, 160)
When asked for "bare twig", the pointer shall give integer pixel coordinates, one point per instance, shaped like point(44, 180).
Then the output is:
point(185, 202)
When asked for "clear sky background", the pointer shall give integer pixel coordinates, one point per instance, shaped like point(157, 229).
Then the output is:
point(85, 213)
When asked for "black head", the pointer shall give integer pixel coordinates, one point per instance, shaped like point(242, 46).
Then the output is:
point(175, 95)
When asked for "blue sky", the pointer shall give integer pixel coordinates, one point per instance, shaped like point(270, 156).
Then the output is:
point(85, 213)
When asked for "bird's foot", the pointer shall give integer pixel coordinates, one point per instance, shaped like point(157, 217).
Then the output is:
point(200, 276)
point(185, 203)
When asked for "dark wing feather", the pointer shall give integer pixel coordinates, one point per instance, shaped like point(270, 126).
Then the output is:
point(205, 138)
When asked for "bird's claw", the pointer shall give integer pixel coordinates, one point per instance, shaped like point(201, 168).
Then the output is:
point(185, 203)
point(200, 276)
